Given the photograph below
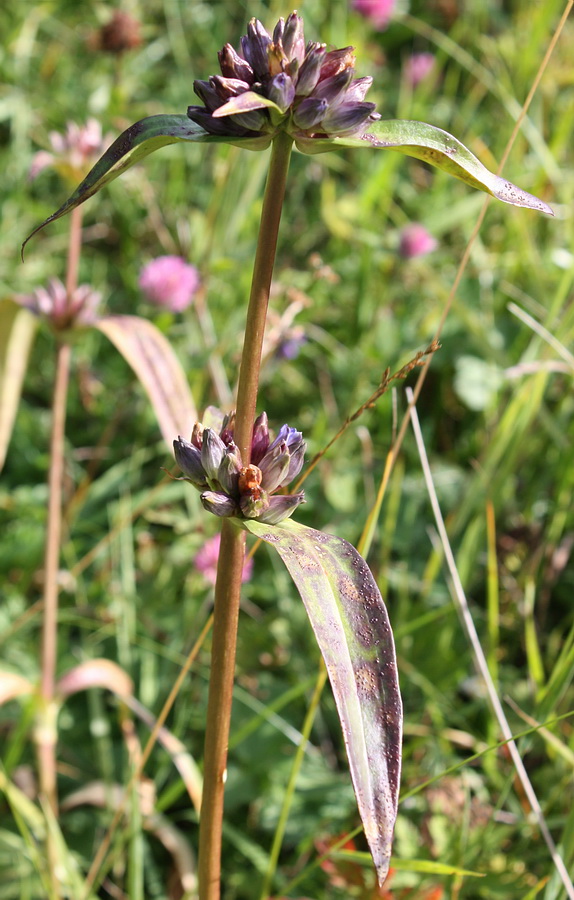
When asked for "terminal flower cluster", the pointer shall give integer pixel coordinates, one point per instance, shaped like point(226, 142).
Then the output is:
point(278, 82)
point(211, 461)
point(61, 311)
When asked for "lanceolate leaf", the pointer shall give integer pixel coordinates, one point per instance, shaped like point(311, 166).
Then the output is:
point(436, 147)
point(158, 369)
point(17, 331)
point(102, 673)
point(133, 145)
point(352, 628)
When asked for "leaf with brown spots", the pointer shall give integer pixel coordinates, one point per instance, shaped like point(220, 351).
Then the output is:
point(437, 148)
point(354, 634)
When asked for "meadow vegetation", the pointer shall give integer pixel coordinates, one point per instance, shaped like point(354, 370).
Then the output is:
point(351, 297)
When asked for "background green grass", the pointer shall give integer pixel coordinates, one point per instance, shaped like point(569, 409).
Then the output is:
point(496, 413)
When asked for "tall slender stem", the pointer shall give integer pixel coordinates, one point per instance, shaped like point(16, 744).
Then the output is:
point(46, 725)
point(232, 550)
point(259, 298)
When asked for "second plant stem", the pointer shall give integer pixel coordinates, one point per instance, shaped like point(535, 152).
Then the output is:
point(232, 549)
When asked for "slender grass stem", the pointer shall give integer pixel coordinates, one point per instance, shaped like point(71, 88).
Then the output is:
point(232, 551)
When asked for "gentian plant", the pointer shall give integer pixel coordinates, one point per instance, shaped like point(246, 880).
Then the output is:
point(279, 91)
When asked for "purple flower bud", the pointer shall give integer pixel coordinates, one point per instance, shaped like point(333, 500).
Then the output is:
point(169, 281)
point(309, 113)
point(346, 118)
point(287, 435)
point(308, 75)
point(207, 93)
point(226, 88)
point(260, 439)
point(197, 435)
point(278, 31)
point(332, 89)
point(218, 503)
point(295, 463)
point(229, 469)
point(212, 452)
point(188, 459)
point(212, 460)
point(253, 120)
point(358, 89)
point(294, 38)
point(254, 45)
point(281, 91)
point(274, 467)
point(337, 61)
point(224, 127)
point(233, 66)
point(281, 507)
point(227, 427)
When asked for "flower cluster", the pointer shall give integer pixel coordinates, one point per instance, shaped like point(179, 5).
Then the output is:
point(170, 282)
point(212, 463)
point(73, 153)
point(62, 312)
point(415, 240)
point(378, 12)
point(277, 82)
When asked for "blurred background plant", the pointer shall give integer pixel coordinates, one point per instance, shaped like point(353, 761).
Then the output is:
point(496, 412)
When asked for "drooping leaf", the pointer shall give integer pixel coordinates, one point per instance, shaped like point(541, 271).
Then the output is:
point(13, 685)
point(102, 673)
point(352, 628)
point(133, 145)
point(158, 369)
point(433, 146)
point(17, 330)
point(182, 759)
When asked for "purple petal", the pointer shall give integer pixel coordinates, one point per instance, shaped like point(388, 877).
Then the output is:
point(310, 70)
point(233, 66)
point(218, 503)
point(260, 439)
point(254, 46)
point(294, 38)
point(212, 452)
point(281, 507)
point(188, 459)
point(281, 91)
point(347, 118)
point(309, 113)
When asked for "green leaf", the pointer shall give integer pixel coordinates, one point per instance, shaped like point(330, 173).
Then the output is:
point(352, 628)
point(17, 331)
point(133, 145)
point(426, 866)
point(433, 146)
point(158, 369)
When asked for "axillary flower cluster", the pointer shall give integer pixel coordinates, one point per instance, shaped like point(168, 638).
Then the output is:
point(211, 461)
point(279, 83)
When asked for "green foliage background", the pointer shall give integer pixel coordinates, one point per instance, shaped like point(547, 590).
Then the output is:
point(496, 412)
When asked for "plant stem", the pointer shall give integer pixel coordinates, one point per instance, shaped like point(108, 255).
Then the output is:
point(46, 733)
point(46, 725)
point(232, 550)
point(259, 299)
